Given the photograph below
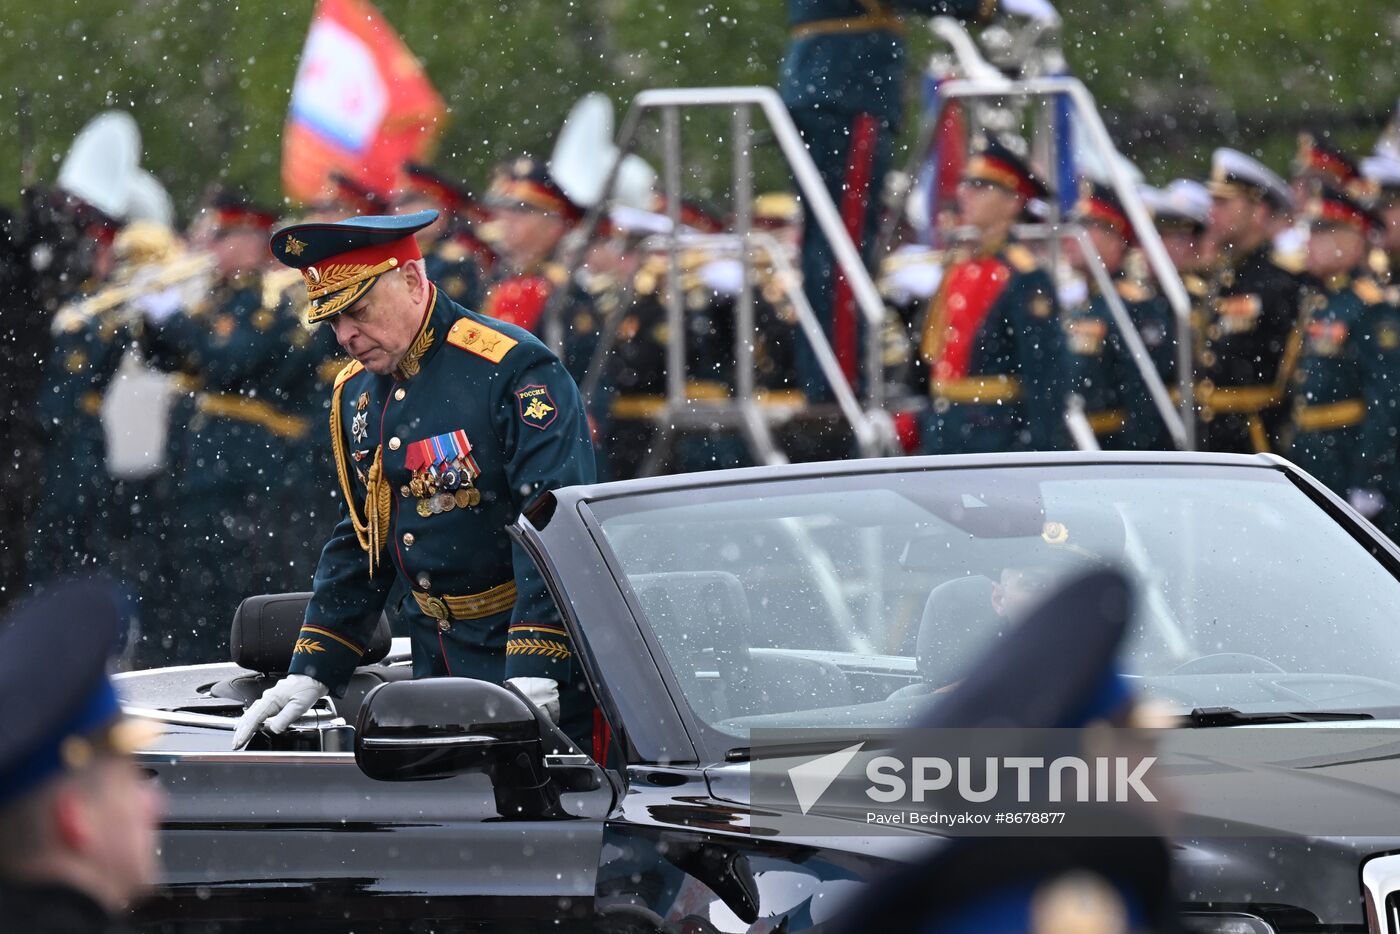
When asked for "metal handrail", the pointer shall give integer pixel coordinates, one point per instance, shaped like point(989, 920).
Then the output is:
point(869, 434)
point(1138, 353)
point(815, 196)
point(1156, 388)
point(1148, 238)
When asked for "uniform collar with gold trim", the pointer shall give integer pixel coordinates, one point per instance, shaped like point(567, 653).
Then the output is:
point(436, 321)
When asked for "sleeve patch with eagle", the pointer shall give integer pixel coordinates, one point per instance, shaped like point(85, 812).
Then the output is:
point(537, 408)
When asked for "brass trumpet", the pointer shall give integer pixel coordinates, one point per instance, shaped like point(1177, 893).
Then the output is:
point(132, 283)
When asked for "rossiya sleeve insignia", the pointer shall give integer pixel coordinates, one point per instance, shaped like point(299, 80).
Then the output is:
point(536, 406)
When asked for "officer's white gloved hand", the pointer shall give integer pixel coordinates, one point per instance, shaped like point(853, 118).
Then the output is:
point(157, 307)
point(1039, 10)
point(279, 707)
point(542, 692)
point(1367, 502)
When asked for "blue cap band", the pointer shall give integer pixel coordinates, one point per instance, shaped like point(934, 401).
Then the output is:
point(46, 761)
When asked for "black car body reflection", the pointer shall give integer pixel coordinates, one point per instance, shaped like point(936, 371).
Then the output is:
point(705, 606)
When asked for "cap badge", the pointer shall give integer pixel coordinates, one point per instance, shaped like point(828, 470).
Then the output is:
point(293, 246)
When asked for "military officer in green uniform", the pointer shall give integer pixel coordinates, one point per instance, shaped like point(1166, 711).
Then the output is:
point(1099, 364)
point(1249, 341)
point(444, 427)
point(1346, 409)
point(242, 480)
point(991, 341)
point(843, 82)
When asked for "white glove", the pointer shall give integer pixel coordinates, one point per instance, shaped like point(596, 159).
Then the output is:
point(1367, 502)
point(158, 307)
point(1041, 11)
point(279, 707)
point(542, 692)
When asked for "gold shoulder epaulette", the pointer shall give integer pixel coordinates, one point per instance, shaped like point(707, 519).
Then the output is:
point(1021, 258)
point(485, 342)
point(451, 251)
point(1368, 291)
point(350, 369)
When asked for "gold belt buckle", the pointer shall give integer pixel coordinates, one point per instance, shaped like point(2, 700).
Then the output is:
point(436, 608)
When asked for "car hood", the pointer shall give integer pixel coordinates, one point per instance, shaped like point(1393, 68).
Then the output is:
point(1283, 815)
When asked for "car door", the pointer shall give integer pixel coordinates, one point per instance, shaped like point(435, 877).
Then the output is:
point(257, 837)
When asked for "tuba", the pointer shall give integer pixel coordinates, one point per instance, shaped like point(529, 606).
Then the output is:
point(584, 155)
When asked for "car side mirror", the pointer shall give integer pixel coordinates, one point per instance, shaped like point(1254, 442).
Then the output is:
point(441, 727)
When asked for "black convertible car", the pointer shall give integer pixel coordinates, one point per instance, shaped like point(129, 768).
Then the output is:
point(705, 607)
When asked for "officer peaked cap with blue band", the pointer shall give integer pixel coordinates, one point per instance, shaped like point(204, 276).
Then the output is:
point(61, 705)
point(341, 261)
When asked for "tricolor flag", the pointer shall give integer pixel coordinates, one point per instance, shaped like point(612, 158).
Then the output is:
point(361, 104)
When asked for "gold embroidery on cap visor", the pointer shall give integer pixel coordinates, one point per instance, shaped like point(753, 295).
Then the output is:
point(337, 286)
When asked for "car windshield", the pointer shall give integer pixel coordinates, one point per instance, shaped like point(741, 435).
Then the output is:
point(852, 600)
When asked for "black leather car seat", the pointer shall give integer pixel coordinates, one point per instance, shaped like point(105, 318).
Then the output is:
point(261, 640)
point(703, 622)
point(957, 625)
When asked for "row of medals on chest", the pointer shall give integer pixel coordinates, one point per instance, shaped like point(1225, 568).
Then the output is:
point(442, 489)
point(439, 488)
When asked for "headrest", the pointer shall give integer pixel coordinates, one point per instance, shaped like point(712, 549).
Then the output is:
point(957, 626)
point(265, 630)
point(693, 611)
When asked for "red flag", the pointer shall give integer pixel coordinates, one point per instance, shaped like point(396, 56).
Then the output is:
point(361, 104)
